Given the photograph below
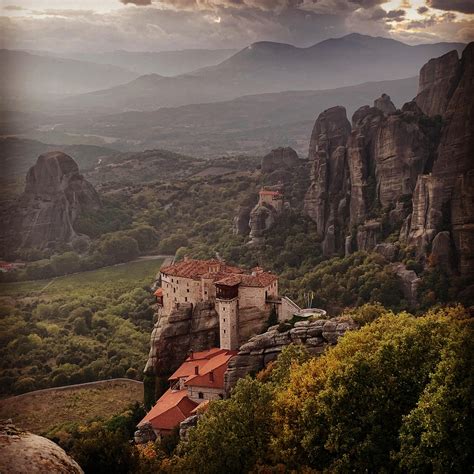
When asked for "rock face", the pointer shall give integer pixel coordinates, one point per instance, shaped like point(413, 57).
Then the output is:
point(262, 218)
point(185, 329)
point(399, 171)
point(22, 452)
point(241, 220)
point(195, 329)
point(280, 158)
point(326, 201)
point(316, 336)
point(54, 197)
point(436, 81)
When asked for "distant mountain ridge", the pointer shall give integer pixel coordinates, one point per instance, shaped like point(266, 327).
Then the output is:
point(27, 75)
point(272, 67)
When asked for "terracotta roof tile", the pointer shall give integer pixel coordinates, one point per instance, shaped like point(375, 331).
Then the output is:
point(260, 280)
point(217, 365)
point(198, 268)
point(171, 409)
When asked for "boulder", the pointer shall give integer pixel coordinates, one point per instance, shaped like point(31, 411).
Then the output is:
point(441, 251)
point(23, 452)
point(262, 219)
point(410, 282)
point(241, 220)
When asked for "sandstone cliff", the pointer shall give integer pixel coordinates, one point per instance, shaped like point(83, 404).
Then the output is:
point(55, 195)
point(196, 328)
point(316, 336)
point(407, 171)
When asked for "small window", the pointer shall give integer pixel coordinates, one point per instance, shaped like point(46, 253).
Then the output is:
point(200, 395)
point(224, 319)
point(185, 299)
point(223, 309)
point(205, 292)
point(187, 290)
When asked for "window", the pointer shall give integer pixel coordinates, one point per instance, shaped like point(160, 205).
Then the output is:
point(185, 299)
point(224, 319)
point(187, 290)
point(223, 309)
point(224, 331)
point(200, 395)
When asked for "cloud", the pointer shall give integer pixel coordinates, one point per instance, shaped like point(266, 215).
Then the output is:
point(422, 10)
point(139, 3)
point(13, 8)
point(396, 15)
point(462, 6)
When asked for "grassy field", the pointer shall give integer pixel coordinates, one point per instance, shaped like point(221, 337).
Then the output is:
point(133, 273)
point(43, 412)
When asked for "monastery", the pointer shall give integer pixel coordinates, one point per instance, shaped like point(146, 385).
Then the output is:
point(231, 289)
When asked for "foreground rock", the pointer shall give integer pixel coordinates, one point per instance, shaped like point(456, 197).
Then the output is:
point(316, 336)
point(22, 452)
point(55, 195)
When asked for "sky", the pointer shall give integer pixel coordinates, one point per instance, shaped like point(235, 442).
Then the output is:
point(159, 25)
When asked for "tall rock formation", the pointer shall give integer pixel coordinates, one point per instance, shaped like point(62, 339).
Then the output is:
point(326, 201)
point(279, 158)
point(436, 82)
point(55, 196)
point(443, 200)
point(407, 171)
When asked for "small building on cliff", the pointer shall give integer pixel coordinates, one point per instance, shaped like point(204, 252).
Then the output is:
point(199, 378)
point(233, 291)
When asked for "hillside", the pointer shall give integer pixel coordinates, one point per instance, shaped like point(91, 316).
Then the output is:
point(50, 410)
point(250, 124)
point(272, 67)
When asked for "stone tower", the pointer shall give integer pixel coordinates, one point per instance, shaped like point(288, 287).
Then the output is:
point(227, 307)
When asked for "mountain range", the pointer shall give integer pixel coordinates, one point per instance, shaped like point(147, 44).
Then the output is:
point(270, 67)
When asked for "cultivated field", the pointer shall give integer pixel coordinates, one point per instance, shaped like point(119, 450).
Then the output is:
point(48, 410)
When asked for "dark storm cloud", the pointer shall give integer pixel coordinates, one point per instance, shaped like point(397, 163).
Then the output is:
point(422, 10)
point(396, 15)
point(462, 6)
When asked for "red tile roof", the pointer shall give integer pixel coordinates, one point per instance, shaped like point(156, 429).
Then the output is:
point(197, 359)
point(199, 268)
point(211, 375)
point(260, 280)
point(170, 410)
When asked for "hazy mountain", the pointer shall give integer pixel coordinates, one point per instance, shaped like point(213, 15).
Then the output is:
point(29, 76)
point(166, 63)
point(249, 124)
point(272, 67)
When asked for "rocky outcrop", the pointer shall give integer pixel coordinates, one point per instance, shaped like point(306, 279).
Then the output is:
point(22, 452)
point(262, 218)
point(409, 280)
point(280, 158)
point(436, 81)
point(316, 336)
point(385, 104)
point(186, 329)
point(241, 220)
point(55, 195)
point(444, 198)
point(442, 252)
point(399, 171)
point(144, 434)
point(326, 201)
point(462, 222)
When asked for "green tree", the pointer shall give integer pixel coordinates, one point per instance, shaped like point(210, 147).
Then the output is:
point(233, 434)
point(438, 434)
